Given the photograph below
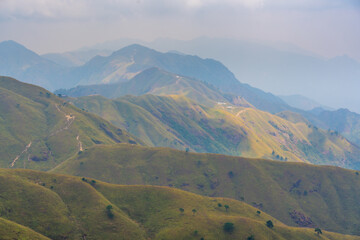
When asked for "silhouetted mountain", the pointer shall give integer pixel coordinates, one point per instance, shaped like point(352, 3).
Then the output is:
point(21, 63)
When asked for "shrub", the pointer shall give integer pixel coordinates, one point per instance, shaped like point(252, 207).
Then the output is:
point(251, 237)
point(228, 227)
point(109, 212)
point(269, 224)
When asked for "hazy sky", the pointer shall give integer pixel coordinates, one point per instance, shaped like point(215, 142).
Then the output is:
point(326, 27)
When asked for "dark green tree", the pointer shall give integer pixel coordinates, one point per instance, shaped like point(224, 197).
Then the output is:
point(93, 182)
point(219, 205)
point(228, 227)
point(193, 211)
point(226, 207)
point(251, 237)
point(269, 224)
point(318, 231)
point(109, 212)
point(181, 210)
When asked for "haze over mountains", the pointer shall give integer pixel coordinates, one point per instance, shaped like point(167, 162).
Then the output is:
point(281, 68)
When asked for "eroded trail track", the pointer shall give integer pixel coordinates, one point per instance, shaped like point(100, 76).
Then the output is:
point(69, 119)
point(79, 143)
point(18, 156)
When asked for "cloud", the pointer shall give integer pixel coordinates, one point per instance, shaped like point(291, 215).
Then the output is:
point(90, 9)
point(82, 9)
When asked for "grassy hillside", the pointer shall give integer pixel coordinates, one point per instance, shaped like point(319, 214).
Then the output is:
point(297, 194)
point(40, 130)
point(10, 231)
point(65, 207)
point(177, 122)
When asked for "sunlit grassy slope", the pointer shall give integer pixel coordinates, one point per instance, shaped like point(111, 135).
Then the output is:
point(40, 130)
point(11, 231)
point(65, 207)
point(296, 193)
point(177, 122)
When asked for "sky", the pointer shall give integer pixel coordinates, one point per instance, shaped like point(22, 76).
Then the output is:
point(326, 27)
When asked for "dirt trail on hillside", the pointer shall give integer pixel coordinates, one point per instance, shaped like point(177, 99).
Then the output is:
point(69, 119)
point(18, 156)
point(240, 112)
point(80, 143)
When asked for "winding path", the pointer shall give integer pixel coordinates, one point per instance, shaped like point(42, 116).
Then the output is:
point(80, 143)
point(69, 120)
point(18, 156)
point(240, 112)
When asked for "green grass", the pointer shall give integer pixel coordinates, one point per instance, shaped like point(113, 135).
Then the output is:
point(10, 231)
point(32, 114)
point(66, 207)
point(328, 196)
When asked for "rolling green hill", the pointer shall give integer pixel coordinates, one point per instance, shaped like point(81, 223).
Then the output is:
point(177, 122)
point(298, 194)
point(10, 231)
point(40, 130)
point(65, 207)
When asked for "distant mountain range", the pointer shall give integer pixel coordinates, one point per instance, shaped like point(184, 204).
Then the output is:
point(279, 68)
point(127, 62)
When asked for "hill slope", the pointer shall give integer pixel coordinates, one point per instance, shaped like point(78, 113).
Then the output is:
point(40, 130)
point(177, 122)
point(297, 194)
point(78, 209)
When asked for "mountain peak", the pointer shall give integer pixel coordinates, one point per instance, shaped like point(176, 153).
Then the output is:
point(11, 47)
point(133, 48)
